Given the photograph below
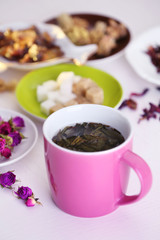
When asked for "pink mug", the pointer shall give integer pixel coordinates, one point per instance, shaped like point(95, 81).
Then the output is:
point(92, 184)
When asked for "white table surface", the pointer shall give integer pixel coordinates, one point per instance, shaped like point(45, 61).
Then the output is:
point(137, 221)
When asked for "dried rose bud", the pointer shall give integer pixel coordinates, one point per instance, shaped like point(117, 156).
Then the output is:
point(30, 202)
point(7, 179)
point(24, 192)
point(16, 138)
point(2, 144)
point(18, 122)
point(5, 128)
point(6, 152)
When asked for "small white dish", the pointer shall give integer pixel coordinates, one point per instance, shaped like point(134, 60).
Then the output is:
point(72, 53)
point(139, 59)
point(27, 144)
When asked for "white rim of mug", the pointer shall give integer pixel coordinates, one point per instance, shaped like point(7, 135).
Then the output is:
point(130, 136)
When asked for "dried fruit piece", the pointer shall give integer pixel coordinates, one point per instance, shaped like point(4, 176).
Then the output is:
point(28, 45)
point(2, 85)
point(8, 86)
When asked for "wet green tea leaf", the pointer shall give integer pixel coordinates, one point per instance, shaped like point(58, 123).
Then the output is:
point(88, 137)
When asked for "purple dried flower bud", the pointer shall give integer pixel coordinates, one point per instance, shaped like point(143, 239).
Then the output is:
point(7, 179)
point(5, 128)
point(2, 144)
point(16, 138)
point(18, 122)
point(6, 152)
point(24, 192)
point(30, 202)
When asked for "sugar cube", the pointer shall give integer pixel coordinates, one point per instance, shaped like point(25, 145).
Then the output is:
point(50, 85)
point(41, 93)
point(64, 76)
point(46, 106)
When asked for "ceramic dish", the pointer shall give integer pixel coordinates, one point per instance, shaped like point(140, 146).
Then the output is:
point(92, 19)
point(26, 89)
point(29, 131)
point(70, 52)
point(139, 60)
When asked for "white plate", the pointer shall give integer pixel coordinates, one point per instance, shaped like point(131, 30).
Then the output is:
point(139, 60)
point(71, 51)
point(26, 145)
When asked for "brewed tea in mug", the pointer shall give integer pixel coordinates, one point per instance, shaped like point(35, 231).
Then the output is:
point(88, 137)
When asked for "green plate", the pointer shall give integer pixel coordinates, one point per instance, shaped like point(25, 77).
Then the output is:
point(26, 89)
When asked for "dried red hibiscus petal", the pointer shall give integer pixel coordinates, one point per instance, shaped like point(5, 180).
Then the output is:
point(151, 112)
point(140, 94)
point(154, 53)
point(128, 103)
point(154, 108)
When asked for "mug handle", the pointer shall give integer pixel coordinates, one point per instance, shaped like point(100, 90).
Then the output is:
point(144, 174)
